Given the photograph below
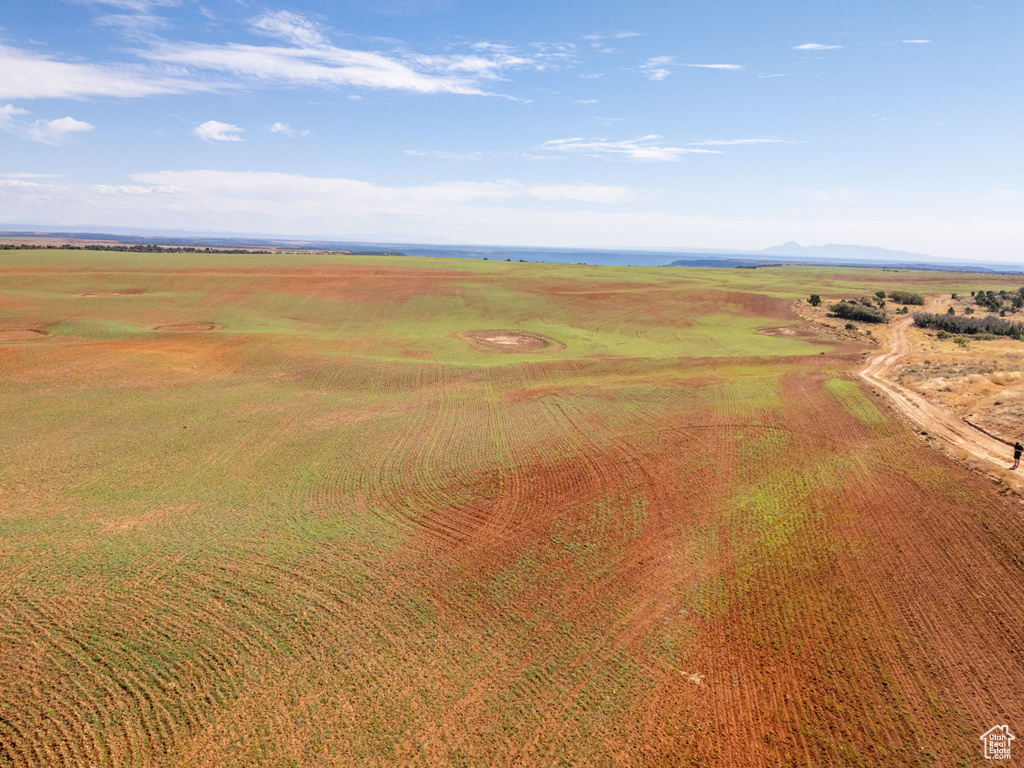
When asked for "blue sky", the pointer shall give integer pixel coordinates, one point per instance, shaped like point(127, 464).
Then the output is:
point(604, 124)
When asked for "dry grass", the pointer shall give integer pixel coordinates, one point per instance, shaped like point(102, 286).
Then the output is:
point(982, 382)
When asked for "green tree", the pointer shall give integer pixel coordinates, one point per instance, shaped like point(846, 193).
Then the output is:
point(950, 311)
point(815, 300)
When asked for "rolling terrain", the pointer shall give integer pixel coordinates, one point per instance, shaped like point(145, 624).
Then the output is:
point(320, 510)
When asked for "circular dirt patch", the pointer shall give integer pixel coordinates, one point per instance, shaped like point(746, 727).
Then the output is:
point(508, 341)
point(187, 327)
point(21, 334)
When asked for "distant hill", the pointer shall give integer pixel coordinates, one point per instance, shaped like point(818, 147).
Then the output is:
point(837, 251)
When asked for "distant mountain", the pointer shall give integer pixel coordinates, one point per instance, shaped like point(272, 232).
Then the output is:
point(837, 251)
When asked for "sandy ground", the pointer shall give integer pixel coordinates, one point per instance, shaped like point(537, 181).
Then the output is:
point(993, 453)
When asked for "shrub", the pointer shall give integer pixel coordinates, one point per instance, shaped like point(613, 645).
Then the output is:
point(849, 310)
point(968, 310)
point(906, 297)
point(950, 311)
point(851, 327)
point(943, 334)
point(954, 297)
point(961, 341)
point(815, 300)
point(970, 326)
point(880, 294)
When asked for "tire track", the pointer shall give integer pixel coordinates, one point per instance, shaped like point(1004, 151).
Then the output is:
point(934, 418)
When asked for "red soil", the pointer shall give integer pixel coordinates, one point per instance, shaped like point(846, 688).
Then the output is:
point(21, 334)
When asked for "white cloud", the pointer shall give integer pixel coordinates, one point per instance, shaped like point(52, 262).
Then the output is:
point(291, 27)
point(733, 142)
point(762, 77)
point(214, 130)
point(45, 131)
point(133, 24)
point(641, 148)
point(54, 131)
point(33, 76)
point(306, 57)
point(330, 67)
point(287, 130)
point(660, 67)
point(9, 111)
point(657, 68)
point(613, 36)
point(586, 101)
point(917, 42)
point(815, 47)
point(310, 59)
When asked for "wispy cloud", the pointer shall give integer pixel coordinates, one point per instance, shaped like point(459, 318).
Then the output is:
point(45, 131)
point(326, 67)
point(815, 47)
point(660, 67)
point(917, 42)
point(30, 175)
point(214, 130)
point(586, 101)
point(287, 130)
point(734, 142)
point(304, 56)
point(133, 25)
point(34, 76)
point(291, 27)
point(641, 148)
point(309, 58)
point(612, 36)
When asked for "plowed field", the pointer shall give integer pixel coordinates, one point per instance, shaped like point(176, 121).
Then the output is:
point(304, 510)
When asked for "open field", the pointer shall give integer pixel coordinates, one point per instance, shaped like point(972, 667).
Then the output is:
point(386, 511)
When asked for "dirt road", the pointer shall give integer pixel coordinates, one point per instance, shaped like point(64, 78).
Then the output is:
point(933, 418)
